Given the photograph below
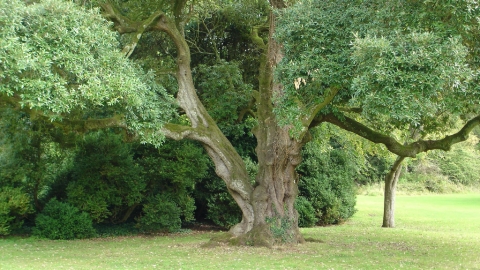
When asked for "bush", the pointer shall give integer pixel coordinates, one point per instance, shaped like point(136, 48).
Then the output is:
point(214, 203)
point(160, 214)
point(327, 182)
point(105, 181)
point(306, 213)
point(460, 165)
point(60, 220)
point(14, 206)
point(428, 174)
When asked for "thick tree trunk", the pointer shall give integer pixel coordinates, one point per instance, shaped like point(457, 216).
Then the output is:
point(268, 209)
point(391, 180)
point(275, 217)
point(268, 213)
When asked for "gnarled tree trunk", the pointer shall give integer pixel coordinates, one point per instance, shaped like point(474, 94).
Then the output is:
point(273, 198)
point(268, 213)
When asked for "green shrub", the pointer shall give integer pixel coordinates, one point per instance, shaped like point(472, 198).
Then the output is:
point(222, 208)
point(460, 164)
point(426, 175)
point(160, 214)
point(171, 172)
point(105, 181)
point(60, 220)
point(14, 206)
point(212, 199)
point(327, 182)
point(306, 213)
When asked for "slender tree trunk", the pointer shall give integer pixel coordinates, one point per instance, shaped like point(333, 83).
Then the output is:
point(391, 180)
point(128, 213)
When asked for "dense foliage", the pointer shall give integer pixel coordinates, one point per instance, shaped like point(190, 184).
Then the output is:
point(60, 220)
point(396, 67)
point(380, 69)
point(52, 62)
point(327, 183)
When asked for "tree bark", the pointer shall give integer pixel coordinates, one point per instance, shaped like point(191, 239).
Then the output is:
point(268, 213)
point(275, 217)
point(391, 180)
point(268, 209)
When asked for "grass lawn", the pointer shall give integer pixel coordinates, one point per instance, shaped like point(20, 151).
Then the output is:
point(433, 232)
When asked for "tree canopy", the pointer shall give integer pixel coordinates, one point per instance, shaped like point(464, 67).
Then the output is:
point(62, 61)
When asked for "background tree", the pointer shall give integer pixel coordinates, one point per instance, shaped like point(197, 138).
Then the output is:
point(410, 69)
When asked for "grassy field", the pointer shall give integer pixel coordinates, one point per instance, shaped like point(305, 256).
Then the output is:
point(433, 232)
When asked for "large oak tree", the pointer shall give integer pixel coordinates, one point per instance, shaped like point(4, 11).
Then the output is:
point(353, 64)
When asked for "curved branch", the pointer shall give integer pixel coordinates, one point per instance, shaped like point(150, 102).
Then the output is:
point(409, 150)
point(256, 38)
point(247, 110)
point(124, 25)
point(312, 112)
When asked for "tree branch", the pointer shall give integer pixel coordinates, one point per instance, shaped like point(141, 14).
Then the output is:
point(312, 112)
point(409, 150)
point(122, 24)
point(178, 132)
point(82, 126)
point(256, 38)
point(66, 124)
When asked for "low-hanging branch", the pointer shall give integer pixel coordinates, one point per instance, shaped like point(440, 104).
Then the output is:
point(66, 124)
point(408, 150)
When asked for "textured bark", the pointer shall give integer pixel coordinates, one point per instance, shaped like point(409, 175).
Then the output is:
point(278, 155)
point(228, 164)
point(391, 180)
point(268, 209)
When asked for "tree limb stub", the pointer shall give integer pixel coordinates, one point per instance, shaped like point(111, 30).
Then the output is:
point(409, 150)
point(255, 37)
point(122, 23)
point(179, 132)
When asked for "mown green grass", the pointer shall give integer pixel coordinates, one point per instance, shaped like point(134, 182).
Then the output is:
point(433, 232)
